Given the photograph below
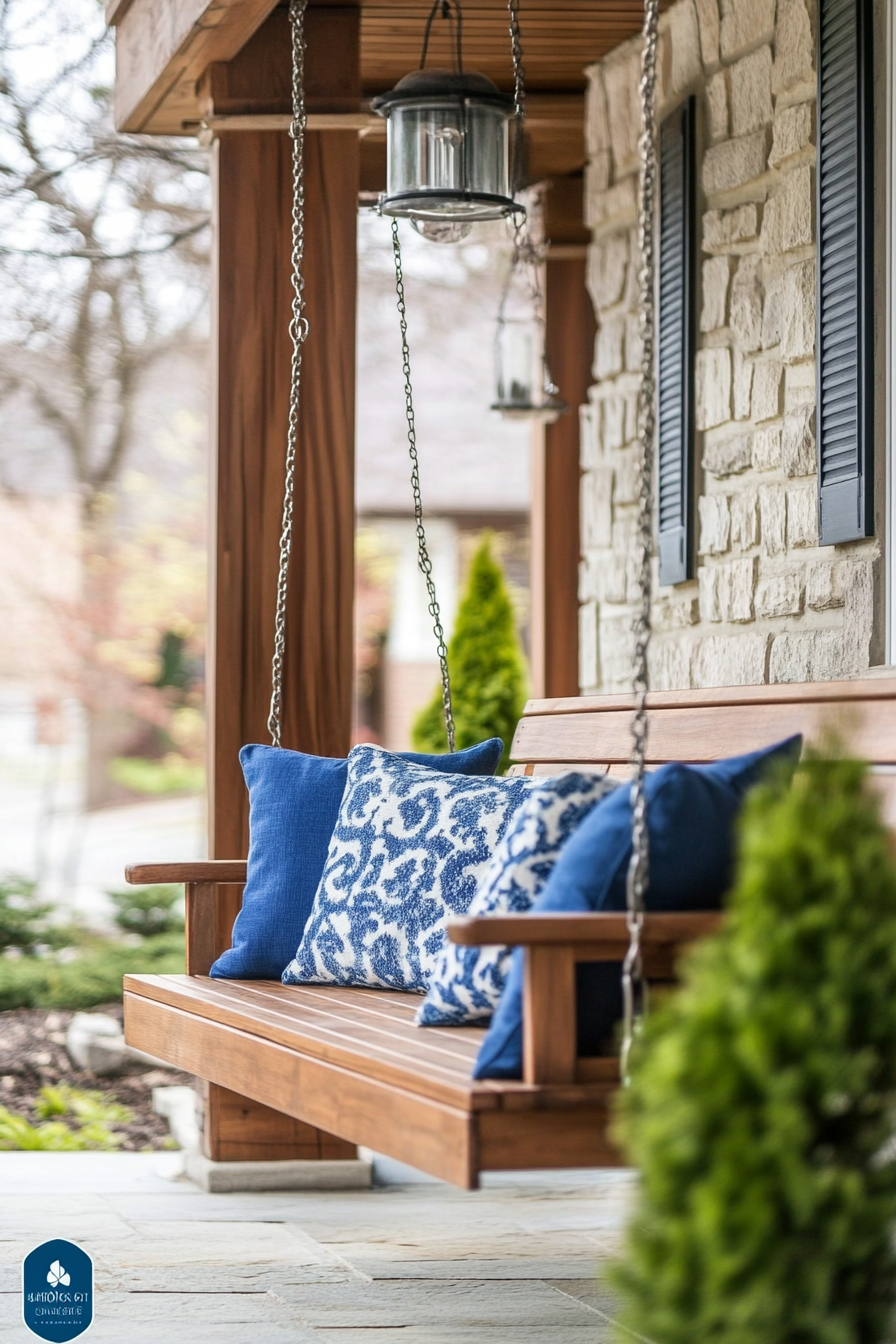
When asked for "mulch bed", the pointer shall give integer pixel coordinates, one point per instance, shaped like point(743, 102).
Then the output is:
point(33, 1055)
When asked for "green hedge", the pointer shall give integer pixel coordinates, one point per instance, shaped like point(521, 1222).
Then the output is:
point(92, 976)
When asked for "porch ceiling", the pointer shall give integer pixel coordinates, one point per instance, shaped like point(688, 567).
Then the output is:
point(164, 46)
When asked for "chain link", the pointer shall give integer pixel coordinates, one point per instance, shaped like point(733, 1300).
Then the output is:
point(519, 95)
point(423, 560)
point(298, 330)
point(634, 986)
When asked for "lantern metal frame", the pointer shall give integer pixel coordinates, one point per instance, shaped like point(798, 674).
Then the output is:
point(528, 259)
point(479, 156)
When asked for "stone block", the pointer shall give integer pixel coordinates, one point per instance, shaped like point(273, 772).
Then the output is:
point(728, 457)
point(615, 206)
point(744, 509)
point(768, 376)
point(615, 653)
point(716, 274)
point(802, 516)
point(674, 613)
point(609, 350)
point(858, 616)
point(767, 449)
point(631, 417)
point(670, 664)
point(715, 524)
point(713, 388)
point(811, 655)
point(634, 346)
point(708, 18)
point(627, 466)
point(622, 70)
point(589, 666)
point(616, 579)
point(589, 584)
point(300, 1174)
point(799, 385)
point(589, 434)
point(597, 180)
point(742, 385)
point(779, 595)
point(734, 163)
point(607, 266)
point(708, 584)
point(717, 107)
point(794, 47)
point(746, 304)
point(788, 221)
point(736, 583)
point(824, 585)
point(791, 133)
point(597, 130)
point(730, 660)
point(632, 296)
point(745, 23)
point(724, 229)
point(685, 63)
point(788, 321)
point(751, 92)
point(798, 442)
point(773, 519)
point(596, 501)
point(614, 418)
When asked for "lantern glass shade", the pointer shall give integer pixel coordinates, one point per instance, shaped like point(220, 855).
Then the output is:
point(517, 364)
point(448, 147)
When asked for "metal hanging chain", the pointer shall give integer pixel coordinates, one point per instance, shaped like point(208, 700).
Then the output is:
point(298, 330)
point(423, 560)
point(519, 94)
point(634, 986)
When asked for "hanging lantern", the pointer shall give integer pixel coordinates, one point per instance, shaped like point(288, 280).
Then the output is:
point(450, 145)
point(524, 388)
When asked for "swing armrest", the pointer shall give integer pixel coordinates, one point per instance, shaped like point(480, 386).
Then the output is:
point(554, 945)
point(206, 870)
point(211, 888)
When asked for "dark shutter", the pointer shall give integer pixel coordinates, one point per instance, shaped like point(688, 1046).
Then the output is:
point(845, 412)
point(676, 344)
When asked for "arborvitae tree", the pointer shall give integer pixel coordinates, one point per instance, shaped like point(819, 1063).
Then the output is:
point(486, 662)
point(761, 1108)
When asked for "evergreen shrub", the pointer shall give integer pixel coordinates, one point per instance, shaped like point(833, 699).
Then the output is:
point(486, 663)
point(761, 1109)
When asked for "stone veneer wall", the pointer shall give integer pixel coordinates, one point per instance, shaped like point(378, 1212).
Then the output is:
point(768, 603)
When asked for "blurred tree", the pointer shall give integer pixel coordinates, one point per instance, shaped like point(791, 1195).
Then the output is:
point(103, 263)
point(486, 664)
point(761, 1108)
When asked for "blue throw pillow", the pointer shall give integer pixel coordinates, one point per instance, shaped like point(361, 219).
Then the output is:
point(467, 982)
point(407, 852)
point(293, 805)
point(691, 811)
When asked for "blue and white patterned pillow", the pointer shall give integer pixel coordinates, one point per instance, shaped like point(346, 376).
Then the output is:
point(468, 981)
point(408, 850)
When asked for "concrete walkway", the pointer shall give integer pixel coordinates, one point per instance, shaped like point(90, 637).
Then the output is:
point(411, 1260)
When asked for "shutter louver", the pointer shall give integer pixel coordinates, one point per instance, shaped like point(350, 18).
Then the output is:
point(676, 344)
point(845, 411)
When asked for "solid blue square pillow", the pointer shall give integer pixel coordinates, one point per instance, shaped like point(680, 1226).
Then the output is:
point(293, 805)
point(407, 852)
point(691, 811)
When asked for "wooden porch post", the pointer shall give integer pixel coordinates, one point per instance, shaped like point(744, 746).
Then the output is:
point(252, 350)
point(555, 485)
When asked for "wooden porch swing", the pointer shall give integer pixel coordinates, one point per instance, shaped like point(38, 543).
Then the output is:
point(315, 1070)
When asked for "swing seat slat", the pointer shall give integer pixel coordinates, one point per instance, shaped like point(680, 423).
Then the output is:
point(352, 1062)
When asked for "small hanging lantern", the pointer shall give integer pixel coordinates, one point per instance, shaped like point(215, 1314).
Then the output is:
point(450, 144)
point(525, 389)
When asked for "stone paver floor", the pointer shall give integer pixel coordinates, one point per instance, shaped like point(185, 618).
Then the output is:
point(411, 1260)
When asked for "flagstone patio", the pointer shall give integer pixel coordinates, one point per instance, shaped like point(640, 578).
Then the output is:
point(412, 1259)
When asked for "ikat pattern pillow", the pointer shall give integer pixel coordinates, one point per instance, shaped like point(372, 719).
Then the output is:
point(467, 982)
point(408, 850)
